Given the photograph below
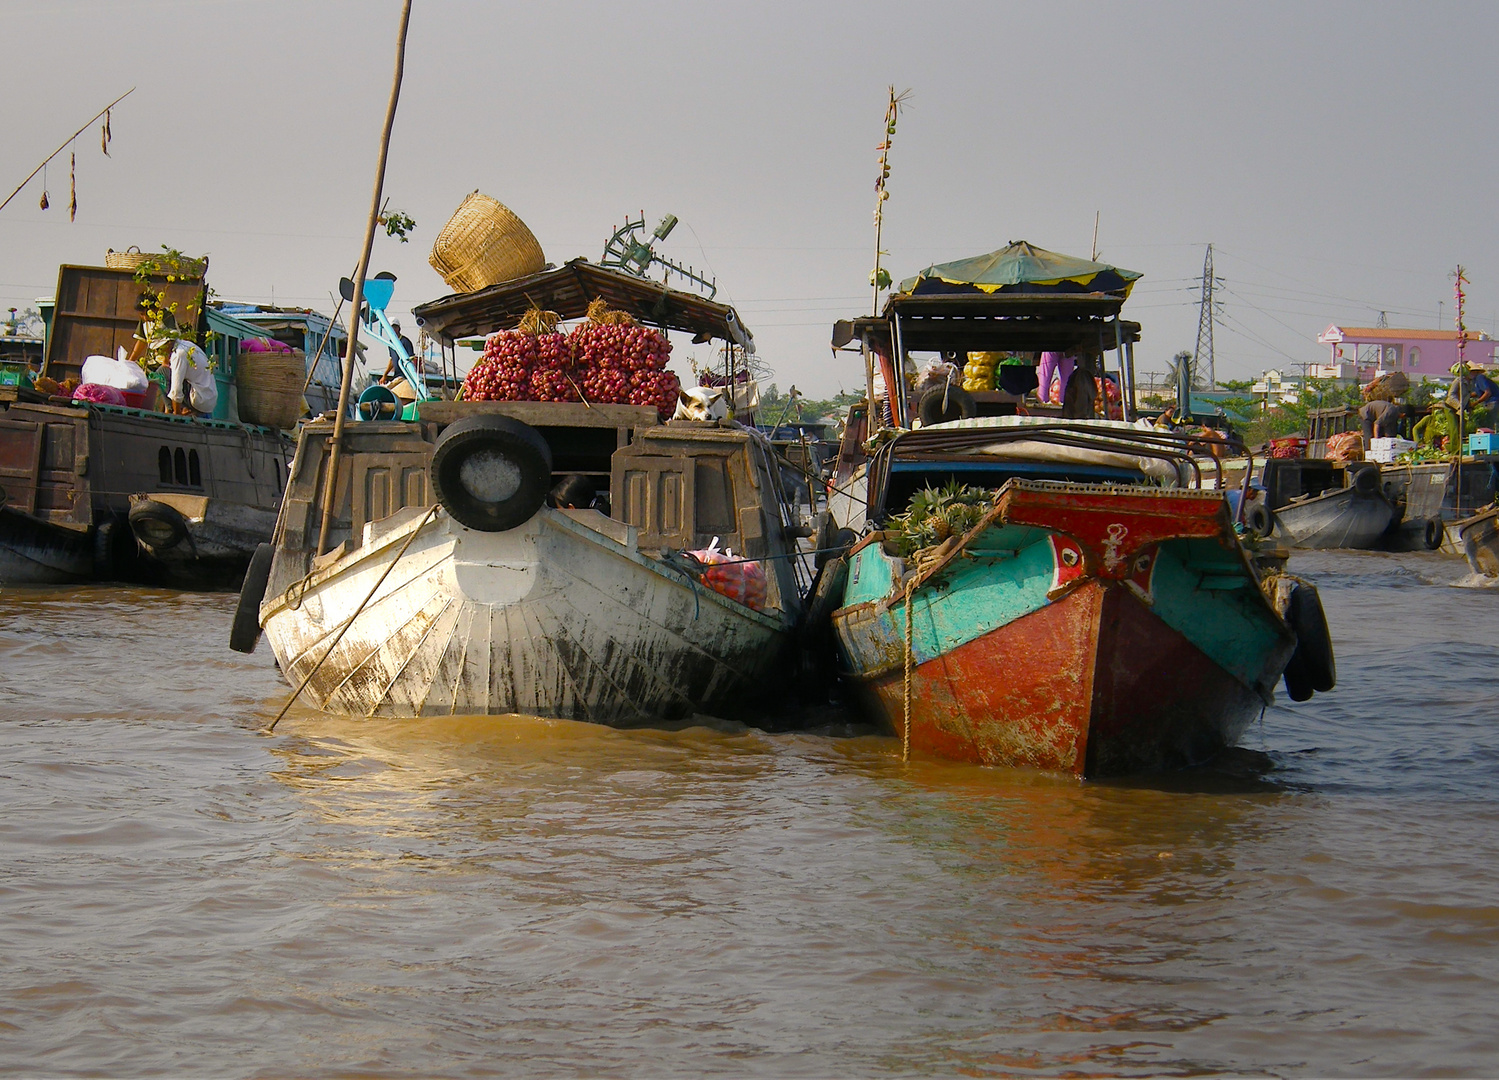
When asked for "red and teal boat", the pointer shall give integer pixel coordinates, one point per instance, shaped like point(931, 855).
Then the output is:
point(1100, 612)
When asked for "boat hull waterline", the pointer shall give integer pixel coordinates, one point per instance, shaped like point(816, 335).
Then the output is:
point(1110, 648)
point(550, 619)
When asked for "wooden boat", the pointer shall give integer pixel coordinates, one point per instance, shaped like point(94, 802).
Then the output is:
point(424, 605)
point(1479, 537)
point(198, 542)
point(1328, 504)
point(1104, 615)
point(68, 473)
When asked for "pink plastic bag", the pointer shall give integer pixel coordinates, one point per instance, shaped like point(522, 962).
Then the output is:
point(739, 580)
point(99, 393)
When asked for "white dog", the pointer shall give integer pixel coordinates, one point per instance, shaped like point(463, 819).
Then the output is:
point(701, 403)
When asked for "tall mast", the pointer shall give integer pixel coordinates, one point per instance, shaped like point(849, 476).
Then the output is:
point(356, 304)
point(879, 277)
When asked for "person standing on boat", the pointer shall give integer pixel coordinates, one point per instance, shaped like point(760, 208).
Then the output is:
point(1054, 363)
point(1381, 419)
point(391, 372)
point(1482, 393)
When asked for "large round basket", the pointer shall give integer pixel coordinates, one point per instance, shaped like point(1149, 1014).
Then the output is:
point(482, 244)
point(129, 259)
point(133, 258)
point(270, 388)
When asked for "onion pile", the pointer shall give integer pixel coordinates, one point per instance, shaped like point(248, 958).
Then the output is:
point(503, 373)
point(613, 362)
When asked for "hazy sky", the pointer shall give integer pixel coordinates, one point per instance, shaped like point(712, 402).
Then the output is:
point(1340, 157)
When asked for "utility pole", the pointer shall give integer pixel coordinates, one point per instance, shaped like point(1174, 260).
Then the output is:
point(1204, 353)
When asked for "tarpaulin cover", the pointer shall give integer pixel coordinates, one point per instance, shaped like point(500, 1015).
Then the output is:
point(1021, 267)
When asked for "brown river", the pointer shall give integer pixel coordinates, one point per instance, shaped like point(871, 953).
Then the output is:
point(181, 894)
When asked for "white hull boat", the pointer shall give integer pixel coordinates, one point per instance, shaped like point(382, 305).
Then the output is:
point(560, 617)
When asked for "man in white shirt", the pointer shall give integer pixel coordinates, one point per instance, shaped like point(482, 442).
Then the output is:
point(191, 379)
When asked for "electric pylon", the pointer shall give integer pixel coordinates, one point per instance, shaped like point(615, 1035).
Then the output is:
point(1202, 359)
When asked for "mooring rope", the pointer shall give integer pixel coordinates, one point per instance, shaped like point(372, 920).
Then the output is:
point(350, 620)
point(905, 736)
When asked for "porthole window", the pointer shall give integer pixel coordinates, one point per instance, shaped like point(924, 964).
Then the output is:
point(164, 465)
point(179, 466)
point(194, 470)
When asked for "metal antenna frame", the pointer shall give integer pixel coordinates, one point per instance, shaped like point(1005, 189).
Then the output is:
point(626, 251)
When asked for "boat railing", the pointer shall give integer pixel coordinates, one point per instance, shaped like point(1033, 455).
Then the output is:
point(1176, 449)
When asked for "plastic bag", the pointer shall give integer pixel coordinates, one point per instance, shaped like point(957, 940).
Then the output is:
point(98, 393)
point(121, 374)
point(740, 580)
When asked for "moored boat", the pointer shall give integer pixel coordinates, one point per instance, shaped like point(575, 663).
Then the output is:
point(1104, 614)
point(448, 586)
point(1479, 537)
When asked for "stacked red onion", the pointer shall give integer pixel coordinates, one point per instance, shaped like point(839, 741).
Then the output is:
point(625, 365)
point(503, 373)
point(552, 372)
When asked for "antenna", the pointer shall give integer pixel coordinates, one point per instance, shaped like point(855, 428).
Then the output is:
point(627, 251)
point(1094, 257)
point(1204, 353)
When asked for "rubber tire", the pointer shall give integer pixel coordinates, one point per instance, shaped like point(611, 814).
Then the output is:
point(1366, 481)
point(817, 644)
point(1312, 666)
point(1436, 532)
point(521, 444)
point(170, 516)
point(244, 633)
point(960, 405)
point(1259, 520)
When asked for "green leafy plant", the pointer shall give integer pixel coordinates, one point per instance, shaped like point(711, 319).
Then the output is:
point(397, 223)
point(937, 513)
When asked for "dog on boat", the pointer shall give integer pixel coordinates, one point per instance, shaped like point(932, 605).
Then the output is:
point(701, 403)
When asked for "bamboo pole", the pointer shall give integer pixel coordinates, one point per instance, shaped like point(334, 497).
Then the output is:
point(330, 482)
point(64, 146)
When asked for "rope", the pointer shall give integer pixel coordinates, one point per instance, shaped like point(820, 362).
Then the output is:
point(905, 736)
point(350, 620)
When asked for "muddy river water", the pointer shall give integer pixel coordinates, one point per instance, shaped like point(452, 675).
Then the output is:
point(182, 894)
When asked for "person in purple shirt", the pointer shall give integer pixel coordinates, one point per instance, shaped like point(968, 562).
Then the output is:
point(1054, 363)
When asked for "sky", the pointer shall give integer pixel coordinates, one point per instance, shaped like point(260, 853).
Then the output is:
point(1340, 157)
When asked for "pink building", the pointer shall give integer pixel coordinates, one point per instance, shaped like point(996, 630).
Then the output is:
point(1377, 349)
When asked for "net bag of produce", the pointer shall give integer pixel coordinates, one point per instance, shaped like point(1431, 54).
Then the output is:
point(978, 371)
point(616, 361)
point(739, 579)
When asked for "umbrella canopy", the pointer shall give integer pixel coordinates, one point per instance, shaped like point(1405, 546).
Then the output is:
point(1021, 267)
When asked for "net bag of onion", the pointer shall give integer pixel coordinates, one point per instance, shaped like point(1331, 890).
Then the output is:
point(503, 373)
point(738, 579)
point(615, 361)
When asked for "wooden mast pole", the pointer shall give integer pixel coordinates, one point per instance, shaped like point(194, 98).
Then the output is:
point(330, 482)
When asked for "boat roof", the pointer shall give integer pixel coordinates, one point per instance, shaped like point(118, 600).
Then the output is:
point(1015, 322)
point(568, 290)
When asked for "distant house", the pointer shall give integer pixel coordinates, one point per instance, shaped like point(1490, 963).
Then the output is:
point(1275, 388)
point(1374, 350)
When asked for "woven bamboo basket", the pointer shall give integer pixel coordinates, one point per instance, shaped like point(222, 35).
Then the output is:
point(270, 388)
point(133, 257)
point(482, 244)
point(129, 259)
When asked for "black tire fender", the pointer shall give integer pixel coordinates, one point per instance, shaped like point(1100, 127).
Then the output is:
point(244, 634)
point(1312, 666)
point(491, 473)
point(1366, 480)
point(1258, 519)
point(1436, 532)
point(157, 526)
point(941, 404)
